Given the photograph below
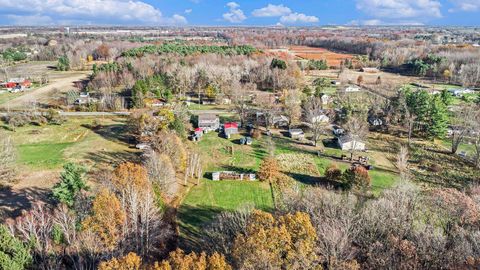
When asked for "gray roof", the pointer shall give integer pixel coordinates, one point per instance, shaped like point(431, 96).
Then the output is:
point(207, 117)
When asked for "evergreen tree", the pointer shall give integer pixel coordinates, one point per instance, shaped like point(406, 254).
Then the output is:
point(437, 126)
point(71, 183)
point(63, 63)
point(14, 255)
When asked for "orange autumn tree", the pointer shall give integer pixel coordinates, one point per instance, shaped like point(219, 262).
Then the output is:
point(144, 228)
point(178, 260)
point(131, 261)
point(107, 219)
point(284, 243)
point(130, 175)
point(269, 170)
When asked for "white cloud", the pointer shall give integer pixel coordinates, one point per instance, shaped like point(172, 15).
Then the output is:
point(294, 18)
point(179, 19)
point(465, 5)
point(235, 14)
point(377, 22)
point(188, 11)
point(272, 11)
point(401, 9)
point(85, 11)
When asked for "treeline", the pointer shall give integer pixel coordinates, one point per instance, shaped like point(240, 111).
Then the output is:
point(185, 49)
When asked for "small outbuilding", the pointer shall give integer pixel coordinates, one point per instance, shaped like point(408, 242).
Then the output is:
point(352, 88)
point(230, 128)
point(280, 121)
point(348, 142)
point(370, 70)
point(296, 133)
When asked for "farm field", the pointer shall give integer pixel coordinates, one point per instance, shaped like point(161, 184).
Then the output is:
point(311, 53)
point(43, 150)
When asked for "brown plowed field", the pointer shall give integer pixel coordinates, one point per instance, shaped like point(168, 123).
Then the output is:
point(311, 53)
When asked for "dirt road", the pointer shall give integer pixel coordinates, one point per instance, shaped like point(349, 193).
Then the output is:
point(41, 95)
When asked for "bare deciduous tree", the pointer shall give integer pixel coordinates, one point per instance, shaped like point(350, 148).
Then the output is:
point(313, 110)
point(161, 172)
point(7, 158)
point(462, 125)
point(357, 128)
point(402, 162)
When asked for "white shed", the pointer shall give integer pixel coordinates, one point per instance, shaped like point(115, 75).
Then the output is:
point(348, 143)
point(352, 88)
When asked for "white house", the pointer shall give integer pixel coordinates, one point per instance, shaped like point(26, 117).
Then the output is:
point(348, 143)
point(322, 118)
point(352, 88)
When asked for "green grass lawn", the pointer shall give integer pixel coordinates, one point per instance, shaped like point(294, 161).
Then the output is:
point(468, 148)
point(42, 155)
point(50, 146)
point(210, 198)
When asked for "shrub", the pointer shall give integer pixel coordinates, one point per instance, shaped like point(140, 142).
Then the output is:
point(333, 173)
point(357, 176)
point(435, 168)
point(256, 134)
point(268, 169)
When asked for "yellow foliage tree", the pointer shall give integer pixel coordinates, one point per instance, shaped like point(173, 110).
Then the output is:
point(178, 260)
point(284, 243)
point(107, 219)
point(211, 91)
point(131, 261)
point(128, 175)
point(165, 117)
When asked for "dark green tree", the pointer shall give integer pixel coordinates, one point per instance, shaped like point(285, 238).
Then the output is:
point(71, 183)
point(446, 97)
point(437, 126)
point(63, 63)
point(14, 255)
point(277, 63)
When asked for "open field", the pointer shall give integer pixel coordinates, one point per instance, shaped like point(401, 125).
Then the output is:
point(311, 53)
point(333, 59)
point(42, 151)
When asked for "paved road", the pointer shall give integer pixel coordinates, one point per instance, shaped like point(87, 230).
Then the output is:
point(92, 114)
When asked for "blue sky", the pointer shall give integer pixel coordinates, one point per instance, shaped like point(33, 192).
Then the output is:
point(240, 12)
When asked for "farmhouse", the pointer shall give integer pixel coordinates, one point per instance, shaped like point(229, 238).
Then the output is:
point(352, 88)
point(230, 128)
point(349, 142)
point(296, 133)
point(208, 122)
